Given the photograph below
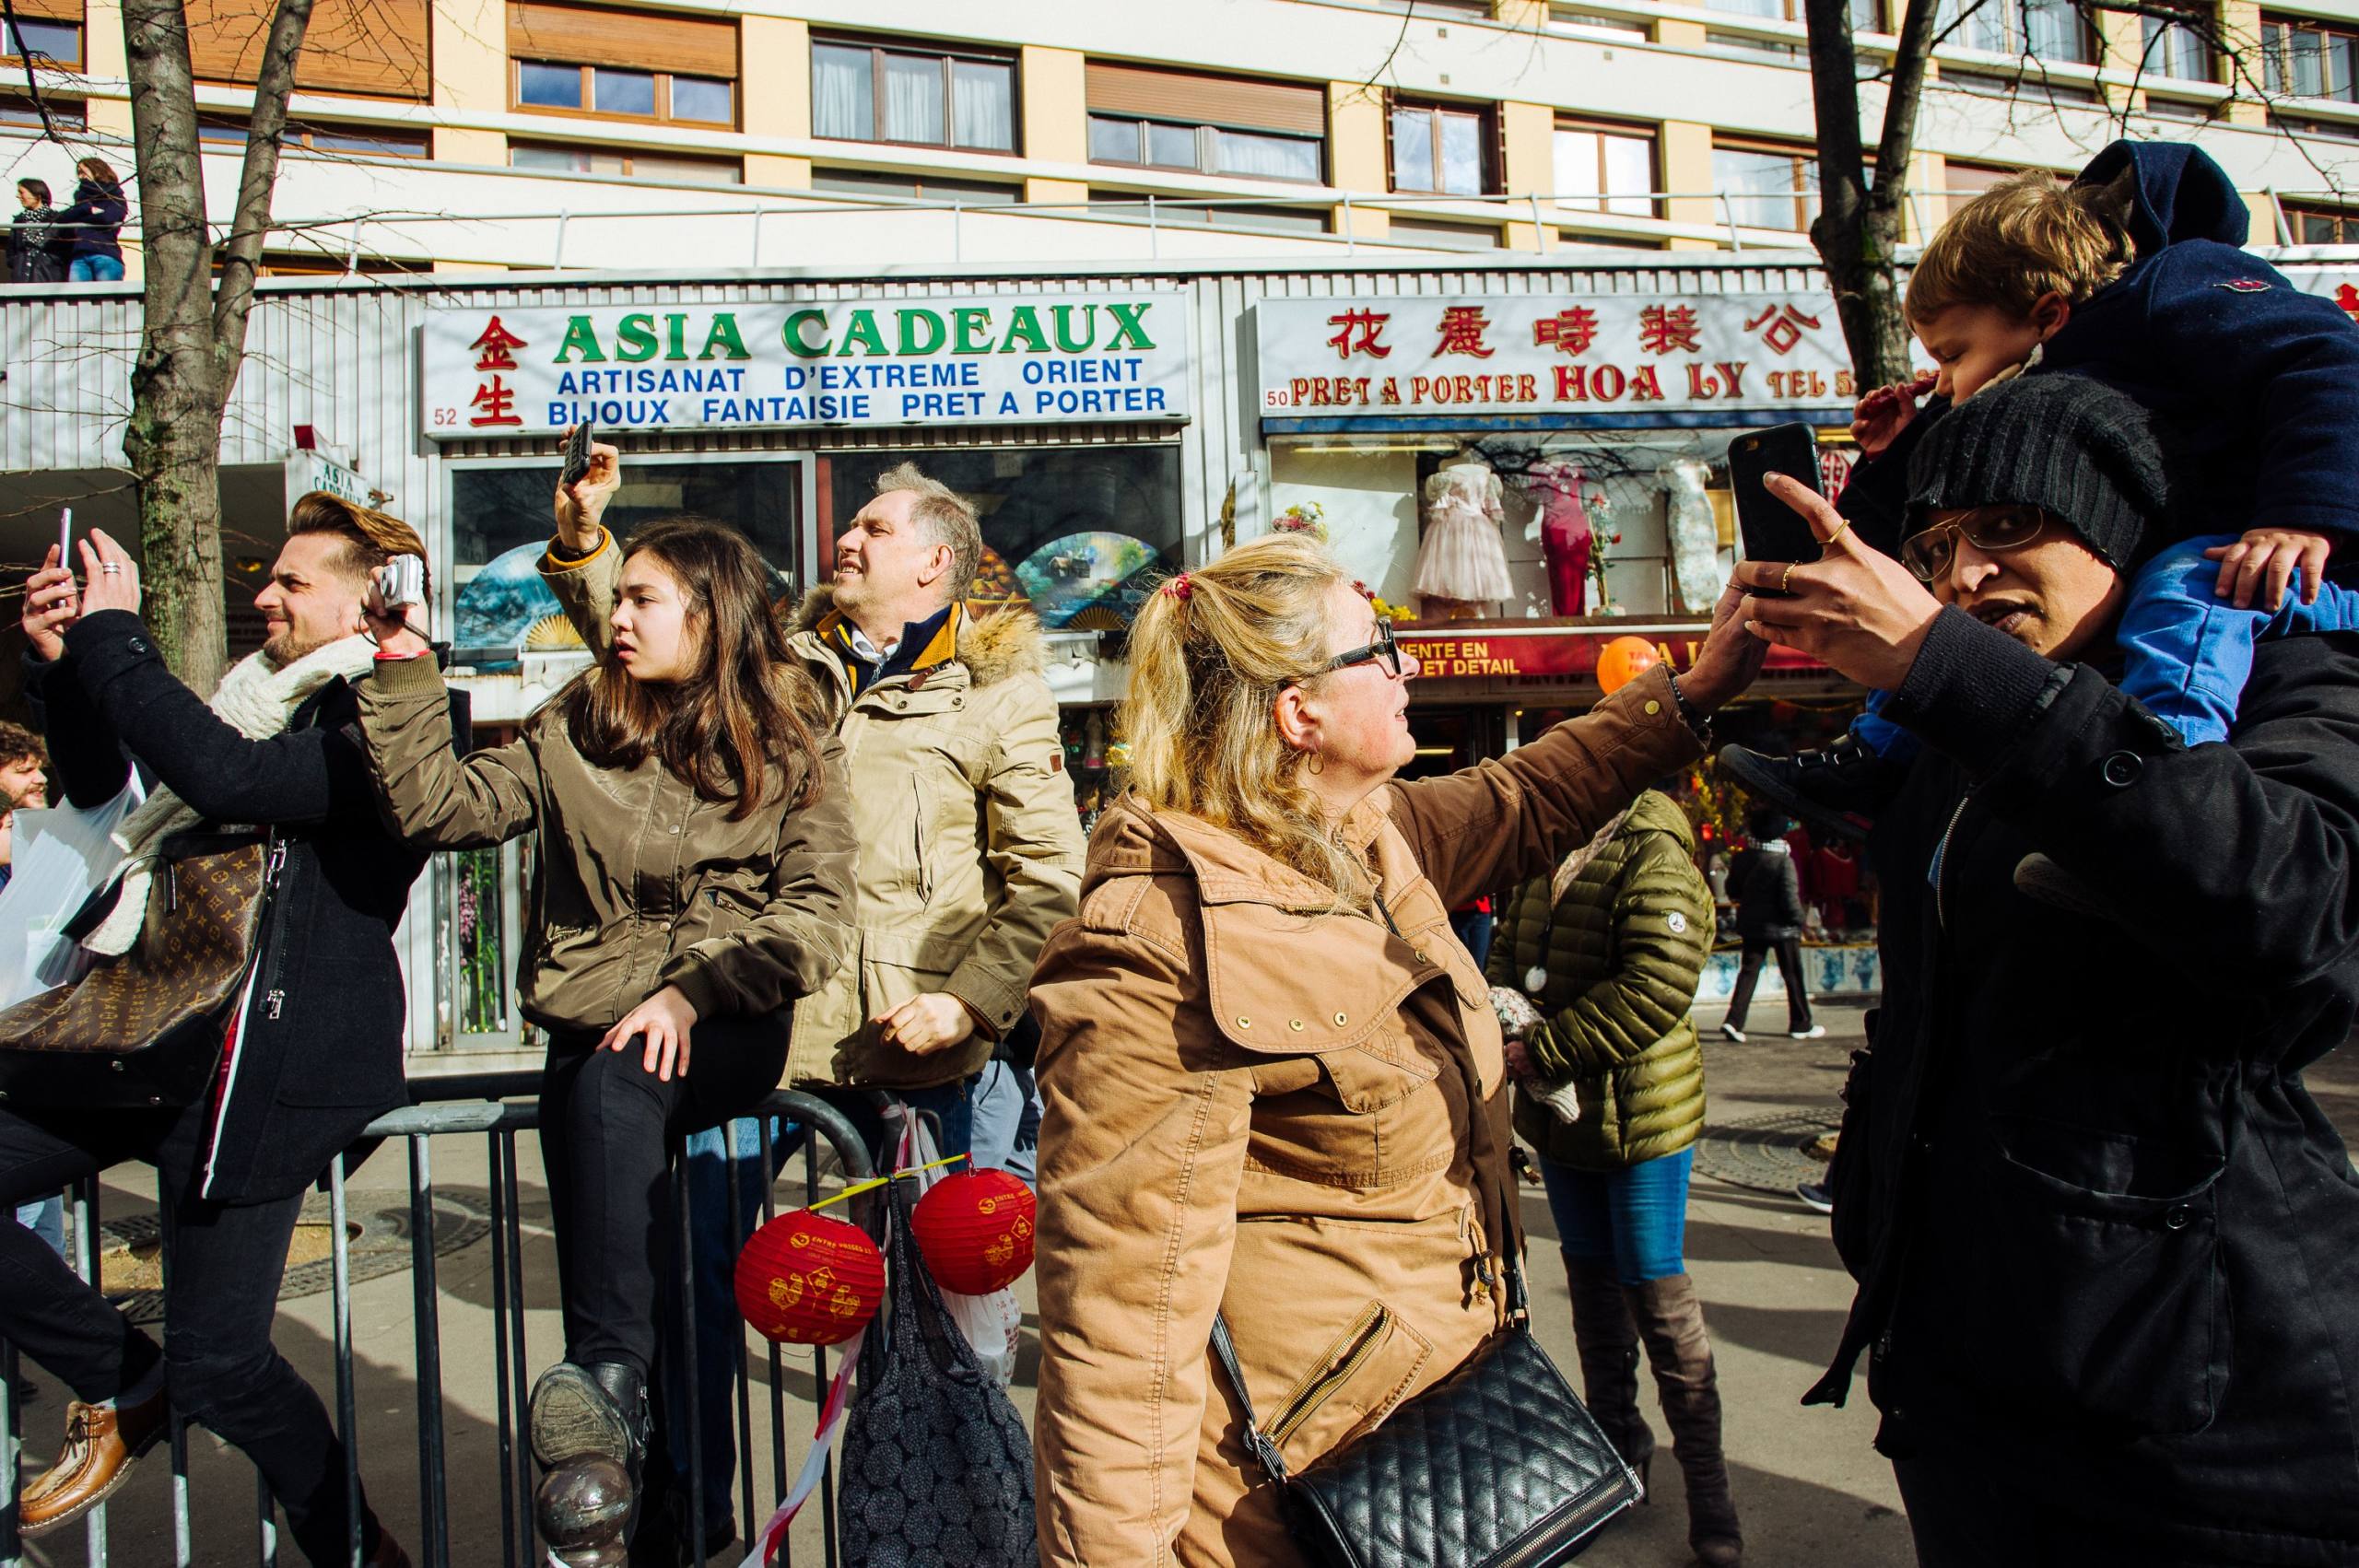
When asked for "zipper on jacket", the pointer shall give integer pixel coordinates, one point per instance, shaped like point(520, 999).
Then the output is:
point(1372, 1331)
point(1942, 863)
point(275, 995)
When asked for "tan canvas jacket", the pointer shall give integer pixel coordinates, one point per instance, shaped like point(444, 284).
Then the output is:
point(1253, 1104)
point(966, 845)
point(639, 883)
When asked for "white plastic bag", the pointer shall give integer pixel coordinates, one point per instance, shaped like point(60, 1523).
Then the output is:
point(993, 1324)
point(61, 856)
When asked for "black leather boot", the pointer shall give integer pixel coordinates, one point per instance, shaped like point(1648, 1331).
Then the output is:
point(591, 1425)
point(1608, 1344)
point(1671, 1321)
point(1840, 789)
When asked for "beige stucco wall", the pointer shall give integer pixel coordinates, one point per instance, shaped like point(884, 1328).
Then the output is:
point(1356, 153)
point(774, 84)
point(1055, 92)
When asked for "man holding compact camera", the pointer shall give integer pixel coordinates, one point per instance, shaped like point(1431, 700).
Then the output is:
point(313, 1052)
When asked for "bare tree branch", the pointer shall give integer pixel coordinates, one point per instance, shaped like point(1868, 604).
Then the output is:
point(33, 86)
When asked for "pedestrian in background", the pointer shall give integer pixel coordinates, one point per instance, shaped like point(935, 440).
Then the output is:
point(1769, 915)
point(36, 250)
point(89, 227)
point(1272, 1077)
point(695, 881)
point(1609, 948)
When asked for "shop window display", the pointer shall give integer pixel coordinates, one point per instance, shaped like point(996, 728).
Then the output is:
point(1080, 535)
point(501, 609)
point(1586, 523)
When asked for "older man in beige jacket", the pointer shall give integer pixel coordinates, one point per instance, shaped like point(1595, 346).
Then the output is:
point(969, 848)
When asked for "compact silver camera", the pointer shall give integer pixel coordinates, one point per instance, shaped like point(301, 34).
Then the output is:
point(401, 582)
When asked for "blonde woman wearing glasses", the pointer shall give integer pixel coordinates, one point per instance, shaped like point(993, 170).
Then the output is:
point(1254, 1043)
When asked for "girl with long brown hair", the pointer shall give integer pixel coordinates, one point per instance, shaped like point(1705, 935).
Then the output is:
point(694, 878)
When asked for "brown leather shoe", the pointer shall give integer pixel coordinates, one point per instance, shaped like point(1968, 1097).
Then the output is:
point(100, 1447)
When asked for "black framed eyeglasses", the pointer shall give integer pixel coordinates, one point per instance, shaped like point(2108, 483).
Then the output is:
point(1929, 554)
point(1384, 650)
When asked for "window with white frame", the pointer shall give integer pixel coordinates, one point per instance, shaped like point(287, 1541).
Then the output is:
point(935, 97)
point(2049, 32)
point(2306, 57)
point(1603, 167)
point(1767, 187)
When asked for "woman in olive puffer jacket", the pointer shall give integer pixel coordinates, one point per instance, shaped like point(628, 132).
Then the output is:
point(1609, 949)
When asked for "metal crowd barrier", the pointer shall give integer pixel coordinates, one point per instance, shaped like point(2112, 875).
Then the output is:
point(512, 1367)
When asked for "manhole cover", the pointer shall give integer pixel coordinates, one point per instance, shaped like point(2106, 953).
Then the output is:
point(1767, 1153)
point(130, 1261)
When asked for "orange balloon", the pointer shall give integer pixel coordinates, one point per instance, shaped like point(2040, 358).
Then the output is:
point(1624, 660)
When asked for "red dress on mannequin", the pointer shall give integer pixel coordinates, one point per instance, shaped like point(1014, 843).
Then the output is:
point(1565, 537)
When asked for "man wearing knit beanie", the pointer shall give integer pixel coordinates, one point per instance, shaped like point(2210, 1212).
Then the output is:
point(2078, 451)
point(2105, 1271)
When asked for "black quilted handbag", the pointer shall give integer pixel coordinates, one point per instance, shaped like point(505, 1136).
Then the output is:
point(937, 1469)
point(1497, 1466)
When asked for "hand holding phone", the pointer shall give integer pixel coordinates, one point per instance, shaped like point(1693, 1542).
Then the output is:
point(576, 456)
point(399, 583)
point(1773, 531)
point(592, 474)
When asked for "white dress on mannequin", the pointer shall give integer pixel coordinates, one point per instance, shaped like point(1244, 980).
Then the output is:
point(1462, 556)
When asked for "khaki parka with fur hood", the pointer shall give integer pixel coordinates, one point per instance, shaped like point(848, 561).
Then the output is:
point(968, 847)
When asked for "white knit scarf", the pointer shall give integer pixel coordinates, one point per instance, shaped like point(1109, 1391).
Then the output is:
point(258, 700)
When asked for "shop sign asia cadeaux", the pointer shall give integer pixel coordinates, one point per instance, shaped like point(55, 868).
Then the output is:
point(1622, 355)
point(849, 363)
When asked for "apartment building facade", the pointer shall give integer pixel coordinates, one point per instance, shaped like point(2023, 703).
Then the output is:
point(466, 134)
point(1110, 273)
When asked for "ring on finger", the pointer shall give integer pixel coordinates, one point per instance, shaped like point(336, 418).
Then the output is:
point(1785, 578)
point(1840, 529)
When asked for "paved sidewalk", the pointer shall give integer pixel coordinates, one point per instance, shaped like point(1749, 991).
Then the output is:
point(1809, 1487)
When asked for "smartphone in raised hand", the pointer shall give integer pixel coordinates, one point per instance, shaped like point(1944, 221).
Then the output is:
point(576, 456)
point(1772, 529)
point(65, 537)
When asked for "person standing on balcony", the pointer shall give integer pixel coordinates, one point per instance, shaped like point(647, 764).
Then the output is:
point(695, 880)
point(89, 227)
point(306, 1074)
point(35, 252)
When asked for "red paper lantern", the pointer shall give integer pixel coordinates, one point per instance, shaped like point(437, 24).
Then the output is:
point(809, 1280)
point(975, 1229)
point(1623, 660)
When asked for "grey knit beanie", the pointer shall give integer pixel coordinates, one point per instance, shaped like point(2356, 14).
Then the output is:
point(2077, 448)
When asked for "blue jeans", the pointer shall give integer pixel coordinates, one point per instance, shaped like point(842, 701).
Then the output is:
point(1474, 928)
point(717, 1229)
point(2188, 653)
point(46, 1219)
point(1004, 1104)
point(94, 269)
point(1635, 1218)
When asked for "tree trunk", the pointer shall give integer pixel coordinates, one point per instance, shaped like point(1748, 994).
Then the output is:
point(194, 340)
point(1858, 230)
point(173, 438)
point(1859, 249)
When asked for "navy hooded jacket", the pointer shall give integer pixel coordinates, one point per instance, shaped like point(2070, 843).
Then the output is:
point(2257, 381)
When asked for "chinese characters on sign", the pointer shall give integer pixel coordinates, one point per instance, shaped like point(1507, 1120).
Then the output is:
point(971, 358)
point(1525, 354)
point(492, 397)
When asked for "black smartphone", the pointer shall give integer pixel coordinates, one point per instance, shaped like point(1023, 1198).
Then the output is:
point(1772, 529)
point(577, 455)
